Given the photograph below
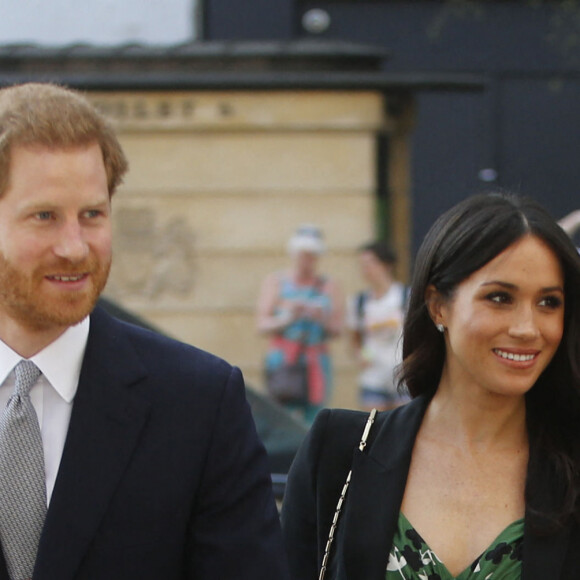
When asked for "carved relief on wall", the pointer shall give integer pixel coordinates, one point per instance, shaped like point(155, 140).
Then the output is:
point(153, 259)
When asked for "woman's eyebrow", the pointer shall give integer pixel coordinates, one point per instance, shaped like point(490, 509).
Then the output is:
point(510, 286)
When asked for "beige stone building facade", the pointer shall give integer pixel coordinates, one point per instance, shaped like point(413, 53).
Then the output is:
point(218, 181)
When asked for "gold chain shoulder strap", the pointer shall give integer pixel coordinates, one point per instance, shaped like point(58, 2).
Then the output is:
point(362, 445)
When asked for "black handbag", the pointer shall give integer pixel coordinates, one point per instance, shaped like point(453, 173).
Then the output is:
point(288, 383)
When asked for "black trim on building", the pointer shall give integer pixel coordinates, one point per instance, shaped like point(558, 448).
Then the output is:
point(221, 66)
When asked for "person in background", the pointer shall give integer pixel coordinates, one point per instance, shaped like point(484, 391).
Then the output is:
point(375, 321)
point(570, 223)
point(478, 477)
point(300, 309)
point(123, 454)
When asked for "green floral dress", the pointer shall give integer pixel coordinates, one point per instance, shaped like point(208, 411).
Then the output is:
point(412, 559)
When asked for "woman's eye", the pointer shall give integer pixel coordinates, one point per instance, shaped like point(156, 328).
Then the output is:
point(551, 302)
point(499, 297)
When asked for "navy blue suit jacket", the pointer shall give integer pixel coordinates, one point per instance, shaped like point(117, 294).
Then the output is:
point(368, 520)
point(162, 475)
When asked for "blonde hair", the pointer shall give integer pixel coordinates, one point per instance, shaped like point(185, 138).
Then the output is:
point(48, 115)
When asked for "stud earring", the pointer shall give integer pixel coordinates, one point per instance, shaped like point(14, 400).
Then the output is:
point(440, 327)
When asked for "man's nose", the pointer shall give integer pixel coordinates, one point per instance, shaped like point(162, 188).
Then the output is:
point(71, 244)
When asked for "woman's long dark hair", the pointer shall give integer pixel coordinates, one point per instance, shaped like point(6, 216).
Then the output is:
point(460, 242)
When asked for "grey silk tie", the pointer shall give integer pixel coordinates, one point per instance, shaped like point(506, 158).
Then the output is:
point(22, 478)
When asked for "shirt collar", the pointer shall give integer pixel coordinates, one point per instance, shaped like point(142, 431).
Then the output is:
point(60, 362)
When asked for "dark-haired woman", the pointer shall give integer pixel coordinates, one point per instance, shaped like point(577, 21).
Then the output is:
point(374, 318)
point(478, 477)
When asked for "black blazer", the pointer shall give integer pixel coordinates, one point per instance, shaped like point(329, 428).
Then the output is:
point(162, 475)
point(369, 516)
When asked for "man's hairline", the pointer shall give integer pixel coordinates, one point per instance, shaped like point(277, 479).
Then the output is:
point(39, 145)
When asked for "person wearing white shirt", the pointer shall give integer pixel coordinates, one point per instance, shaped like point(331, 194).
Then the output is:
point(375, 320)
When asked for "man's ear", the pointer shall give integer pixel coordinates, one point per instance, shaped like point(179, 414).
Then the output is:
point(435, 304)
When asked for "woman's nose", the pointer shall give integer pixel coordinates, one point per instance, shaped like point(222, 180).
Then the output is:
point(524, 324)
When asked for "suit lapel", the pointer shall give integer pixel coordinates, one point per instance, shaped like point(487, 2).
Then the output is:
point(106, 420)
point(375, 494)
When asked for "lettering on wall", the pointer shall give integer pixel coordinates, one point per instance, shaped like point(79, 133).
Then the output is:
point(176, 111)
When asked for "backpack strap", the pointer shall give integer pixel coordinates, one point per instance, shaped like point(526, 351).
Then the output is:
point(361, 299)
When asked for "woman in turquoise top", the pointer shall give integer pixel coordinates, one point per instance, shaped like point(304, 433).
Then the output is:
point(485, 459)
point(301, 310)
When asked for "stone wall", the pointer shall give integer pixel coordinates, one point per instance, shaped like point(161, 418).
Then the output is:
point(218, 181)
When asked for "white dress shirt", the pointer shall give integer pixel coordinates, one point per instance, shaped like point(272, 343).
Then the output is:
point(52, 395)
